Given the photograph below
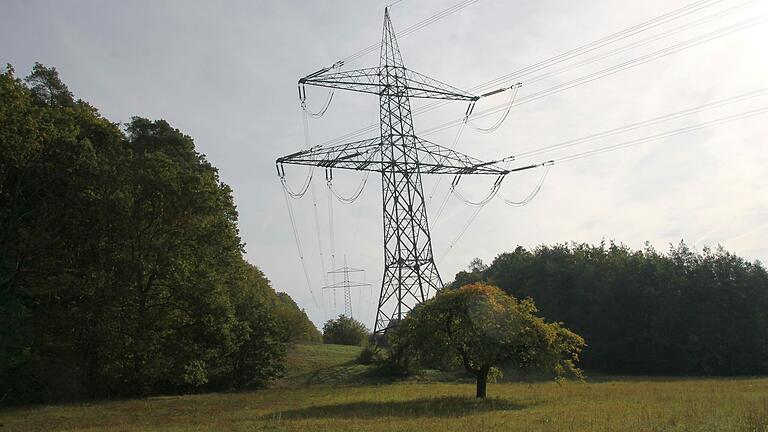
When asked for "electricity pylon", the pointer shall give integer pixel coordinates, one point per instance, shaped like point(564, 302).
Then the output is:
point(401, 157)
point(346, 284)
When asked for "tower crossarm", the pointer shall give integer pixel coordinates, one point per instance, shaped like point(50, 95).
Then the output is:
point(365, 155)
point(346, 284)
point(362, 155)
point(422, 86)
point(346, 270)
point(368, 81)
point(437, 159)
point(359, 80)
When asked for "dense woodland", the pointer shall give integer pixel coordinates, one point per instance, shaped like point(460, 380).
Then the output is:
point(645, 312)
point(121, 268)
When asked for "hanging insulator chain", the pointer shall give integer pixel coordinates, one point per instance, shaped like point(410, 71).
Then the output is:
point(455, 181)
point(469, 110)
point(499, 122)
point(547, 165)
point(284, 182)
point(503, 89)
point(303, 91)
point(494, 190)
point(355, 195)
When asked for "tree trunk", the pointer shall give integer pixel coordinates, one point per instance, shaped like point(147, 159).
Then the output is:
point(482, 380)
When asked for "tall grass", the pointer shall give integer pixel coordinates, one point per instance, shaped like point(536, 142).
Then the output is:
point(610, 404)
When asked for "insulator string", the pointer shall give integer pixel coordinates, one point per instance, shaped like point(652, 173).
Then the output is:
point(533, 193)
point(494, 127)
point(355, 194)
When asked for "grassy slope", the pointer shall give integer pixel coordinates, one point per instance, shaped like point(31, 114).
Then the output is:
point(322, 364)
point(610, 404)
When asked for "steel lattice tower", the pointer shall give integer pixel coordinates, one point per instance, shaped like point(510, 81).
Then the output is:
point(346, 285)
point(410, 273)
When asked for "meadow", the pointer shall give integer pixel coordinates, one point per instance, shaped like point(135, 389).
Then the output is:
point(327, 391)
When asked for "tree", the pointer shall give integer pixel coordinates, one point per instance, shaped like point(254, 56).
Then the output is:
point(58, 186)
point(644, 311)
point(47, 87)
point(480, 327)
point(121, 267)
point(258, 351)
point(295, 325)
point(476, 265)
point(344, 331)
point(476, 268)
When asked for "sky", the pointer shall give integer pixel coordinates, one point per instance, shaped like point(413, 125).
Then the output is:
point(225, 73)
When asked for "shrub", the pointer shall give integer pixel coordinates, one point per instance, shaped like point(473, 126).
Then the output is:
point(344, 331)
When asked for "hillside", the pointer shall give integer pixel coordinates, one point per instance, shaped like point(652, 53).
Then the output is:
point(322, 364)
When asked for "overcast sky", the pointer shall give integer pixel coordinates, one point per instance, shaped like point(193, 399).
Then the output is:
point(225, 73)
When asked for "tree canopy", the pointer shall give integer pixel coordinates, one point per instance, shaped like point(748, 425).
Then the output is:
point(121, 266)
point(480, 327)
point(680, 312)
point(344, 330)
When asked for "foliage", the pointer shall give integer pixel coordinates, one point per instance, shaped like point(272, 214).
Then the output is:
point(344, 331)
point(295, 325)
point(371, 355)
point(480, 326)
point(476, 265)
point(683, 312)
point(121, 268)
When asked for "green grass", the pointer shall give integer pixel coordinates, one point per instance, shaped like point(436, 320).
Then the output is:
point(326, 392)
point(322, 364)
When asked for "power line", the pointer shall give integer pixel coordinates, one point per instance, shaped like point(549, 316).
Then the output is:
point(601, 150)
point(355, 194)
point(410, 273)
point(610, 148)
point(645, 41)
point(409, 266)
point(604, 41)
point(591, 46)
point(698, 40)
point(655, 120)
point(528, 198)
point(494, 192)
point(297, 239)
point(517, 75)
point(638, 141)
point(408, 30)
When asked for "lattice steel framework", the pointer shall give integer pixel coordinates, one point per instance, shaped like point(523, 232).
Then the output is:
point(410, 274)
point(346, 285)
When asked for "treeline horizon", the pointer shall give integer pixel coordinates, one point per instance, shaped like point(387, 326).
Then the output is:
point(121, 265)
point(681, 312)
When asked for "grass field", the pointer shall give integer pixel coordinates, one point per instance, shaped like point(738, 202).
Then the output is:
point(322, 364)
point(326, 391)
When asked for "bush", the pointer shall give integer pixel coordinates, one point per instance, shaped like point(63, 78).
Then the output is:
point(344, 331)
point(371, 355)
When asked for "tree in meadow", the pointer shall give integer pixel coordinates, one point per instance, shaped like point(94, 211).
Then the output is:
point(481, 327)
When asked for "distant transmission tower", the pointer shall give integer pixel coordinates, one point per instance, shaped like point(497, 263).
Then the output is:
point(346, 284)
point(410, 274)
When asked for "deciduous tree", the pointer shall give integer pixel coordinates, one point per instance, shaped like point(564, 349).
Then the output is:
point(344, 331)
point(480, 327)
